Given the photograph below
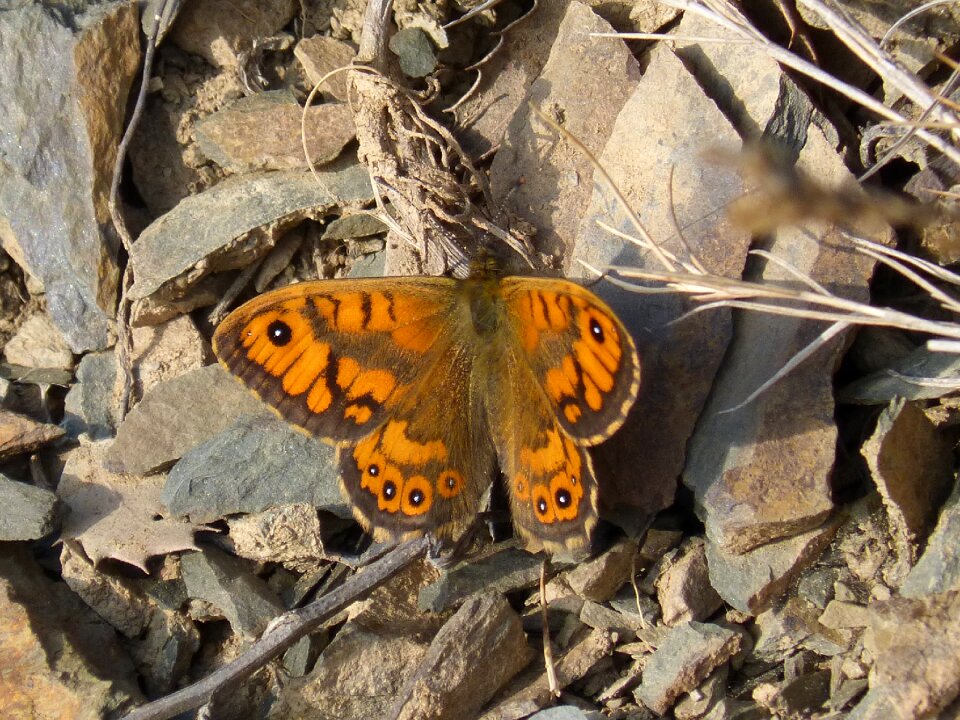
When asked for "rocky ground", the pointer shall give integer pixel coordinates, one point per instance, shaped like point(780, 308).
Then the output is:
point(794, 556)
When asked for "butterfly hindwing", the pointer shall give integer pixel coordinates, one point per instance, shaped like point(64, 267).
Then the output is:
point(549, 477)
point(427, 466)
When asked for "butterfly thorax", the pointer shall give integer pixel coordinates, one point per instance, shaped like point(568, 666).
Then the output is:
point(485, 303)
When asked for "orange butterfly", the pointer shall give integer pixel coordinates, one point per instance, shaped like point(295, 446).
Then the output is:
point(427, 384)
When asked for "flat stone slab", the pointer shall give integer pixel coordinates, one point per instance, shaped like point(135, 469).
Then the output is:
point(686, 657)
point(234, 223)
point(258, 462)
point(176, 416)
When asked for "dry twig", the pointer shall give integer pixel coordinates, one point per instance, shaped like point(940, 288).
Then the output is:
point(283, 633)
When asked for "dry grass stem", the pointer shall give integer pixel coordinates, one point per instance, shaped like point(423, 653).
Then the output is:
point(717, 291)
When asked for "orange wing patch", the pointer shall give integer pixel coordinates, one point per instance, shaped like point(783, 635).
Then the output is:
point(557, 469)
point(540, 311)
point(391, 467)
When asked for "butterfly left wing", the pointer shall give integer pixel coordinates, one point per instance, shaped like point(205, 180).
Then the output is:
point(381, 368)
point(576, 367)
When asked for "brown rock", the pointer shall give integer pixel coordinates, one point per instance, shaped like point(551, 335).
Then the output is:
point(601, 617)
point(264, 131)
point(288, 534)
point(654, 155)
point(357, 676)
point(652, 16)
point(657, 543)
point(544, 179)
point(117, 516)
point(782, 629)
point(600, 578)
point(113, 598)
point(688, 655)
point(506, 78)
point(761, 471)
point(910, 462)
point(800, 697)
point(168, 350)
point(751, 581)
point(939, 567)
point(916, 646)
point(839, 614)
point(319, 55)
point(20, 434)
point(87, 677)
point(479, 649)
point(531, 692)
point(176, 416)
point(775, 482)
point(696, 704)
point(221, 30)
point(157, 309)
point(683, 587)
point(39, 344)
point(392, 608)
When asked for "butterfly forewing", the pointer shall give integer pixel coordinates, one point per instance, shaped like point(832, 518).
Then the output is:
point(580, 354)
point(334, 356)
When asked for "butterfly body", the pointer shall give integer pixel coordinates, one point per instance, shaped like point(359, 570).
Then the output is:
point(427, 384)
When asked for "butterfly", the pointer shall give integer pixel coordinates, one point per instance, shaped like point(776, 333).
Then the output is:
point(427, 385)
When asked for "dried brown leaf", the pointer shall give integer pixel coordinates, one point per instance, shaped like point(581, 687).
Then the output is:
point(118, 516)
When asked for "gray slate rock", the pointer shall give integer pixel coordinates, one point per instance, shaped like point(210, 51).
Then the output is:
point(26, 511)
point(912, 377)
point(222, 580)
point(91, 404)
point(750, 582)
point(62, 122)
point(233, 224)
point(258, 462)
point(175, 417)
point(565, 712)
point(504, 571)
point(415, 51)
